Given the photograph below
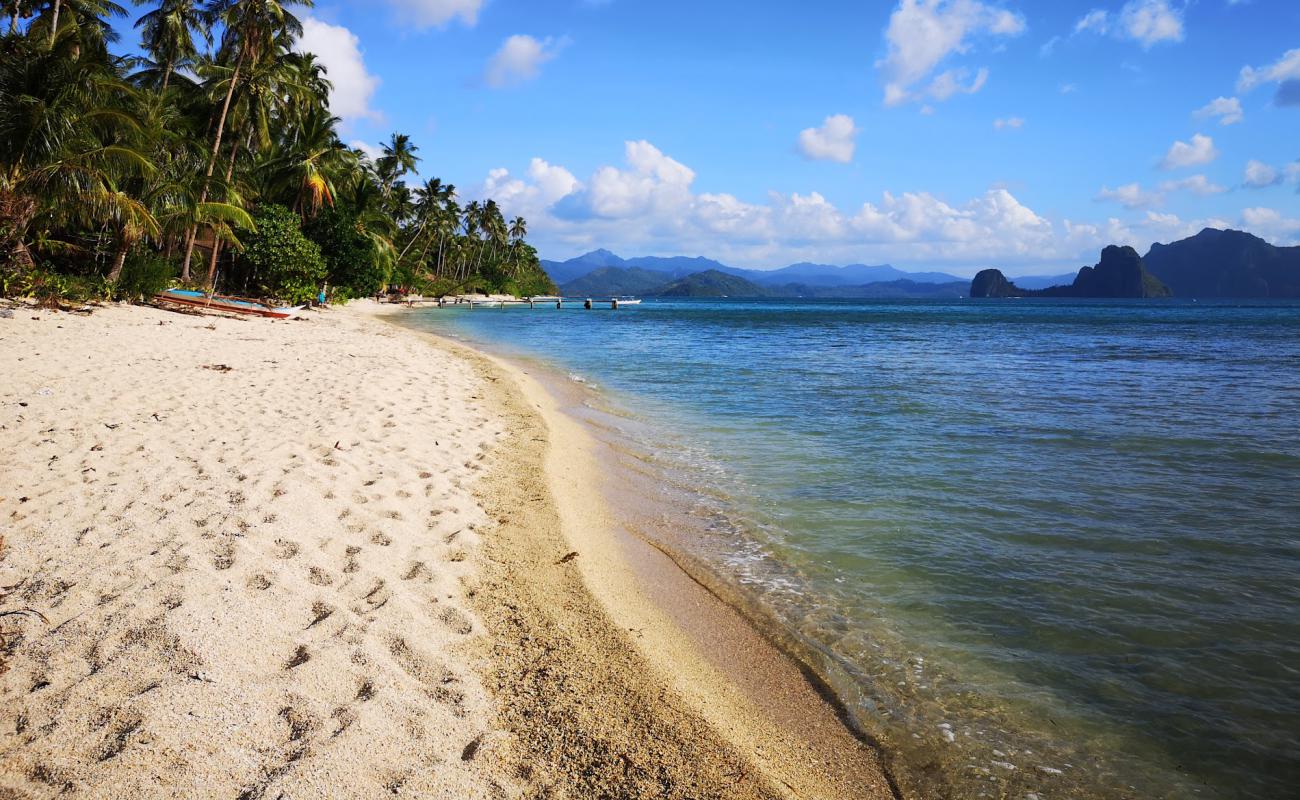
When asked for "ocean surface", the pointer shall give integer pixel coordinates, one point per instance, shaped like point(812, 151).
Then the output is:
point(1040, 548)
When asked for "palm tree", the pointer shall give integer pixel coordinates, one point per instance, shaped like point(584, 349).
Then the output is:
point(398, 159)
point(167, 34)
point(64, 134)
point(88, 18)
point(251, 28)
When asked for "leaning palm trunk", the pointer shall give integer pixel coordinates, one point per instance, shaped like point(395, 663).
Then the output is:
point(119, 260)
point(216, 245)
point(54, 23)
point(216, 151)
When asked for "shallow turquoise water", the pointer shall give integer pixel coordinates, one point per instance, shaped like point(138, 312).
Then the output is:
point(1053, 546)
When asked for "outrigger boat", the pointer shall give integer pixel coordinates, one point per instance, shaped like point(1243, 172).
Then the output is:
point(236, 305)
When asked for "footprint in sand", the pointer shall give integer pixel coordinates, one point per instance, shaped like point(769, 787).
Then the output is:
point(285, 549)
point(259, 582)
point(456, 620)
point(319, 577)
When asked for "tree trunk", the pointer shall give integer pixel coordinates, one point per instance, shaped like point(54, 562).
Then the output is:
point(216, 246)
point(54, 25)
point(119, 260)
point(216, 150)
point(167, 75)
point(189, 249)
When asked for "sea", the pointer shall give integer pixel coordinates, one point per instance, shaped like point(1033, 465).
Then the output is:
point(1037, 548)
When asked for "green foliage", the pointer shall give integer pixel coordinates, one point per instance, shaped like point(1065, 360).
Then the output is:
point(51, 289)
point(283, 262)
point(353, 265)
point(105, 157)
point(144, 275)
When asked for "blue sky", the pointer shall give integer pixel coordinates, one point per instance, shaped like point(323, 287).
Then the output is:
point(953, 134)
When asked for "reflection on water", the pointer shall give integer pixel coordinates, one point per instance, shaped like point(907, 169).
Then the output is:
point(1040, 547)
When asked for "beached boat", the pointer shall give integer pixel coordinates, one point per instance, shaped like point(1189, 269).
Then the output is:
point(236, 305)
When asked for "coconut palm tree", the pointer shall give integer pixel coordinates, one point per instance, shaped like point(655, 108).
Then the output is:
point(251, 28)
point(167, 34)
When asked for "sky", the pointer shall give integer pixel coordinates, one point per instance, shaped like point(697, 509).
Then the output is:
point(946, 134)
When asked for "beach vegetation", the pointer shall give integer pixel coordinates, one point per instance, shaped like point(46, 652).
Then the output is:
point(117, 171)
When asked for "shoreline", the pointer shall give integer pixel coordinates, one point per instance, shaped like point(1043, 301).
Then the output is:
point(208, 636)
point(769, 703)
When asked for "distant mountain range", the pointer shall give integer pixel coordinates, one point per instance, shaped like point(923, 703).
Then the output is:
point(1120, 273)
point(601, 272)
point(1213, 263)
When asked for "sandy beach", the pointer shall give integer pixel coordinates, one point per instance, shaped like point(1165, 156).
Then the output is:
point(333, 557)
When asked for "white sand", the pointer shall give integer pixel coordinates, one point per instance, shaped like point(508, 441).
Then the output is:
point(253, 577)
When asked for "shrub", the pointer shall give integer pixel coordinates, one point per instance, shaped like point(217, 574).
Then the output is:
point(353, 266)
point(144, 274)
point(283, 262)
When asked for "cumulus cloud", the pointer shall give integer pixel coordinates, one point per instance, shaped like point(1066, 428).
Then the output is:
point(1184, 154)
point(1010, 123)
point(372, 151)
point(923, 33)
point(1285, 72)
point(1130, 196)
point(1147, 22)
point(649, 204)
point(339, 51)
point(1284, 69)
point(1227, 109)
point(437, 13)
point(1259, 175)
point(519, 59)
point(835, 140)
point(1198, 185)
point(1271, 224)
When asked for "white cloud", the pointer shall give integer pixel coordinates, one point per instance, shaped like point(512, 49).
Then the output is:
point(835, 140)
point(1227, 109)
point(1095, 21)
point(923, 33)
point(437, 13)
point(339, 51)
point(648, 205)
point(1147, 22)
point(519, 59)
point(1259, 175)
point(956, 81)
point(1292, 172)
point(372, 151)
point(1270, 224)
point(1130, 195)
point(1010, 123)
point(549, 184)
point(1286, 68)
point(1069, 88)
point(1183, 154)
point(1198, 185)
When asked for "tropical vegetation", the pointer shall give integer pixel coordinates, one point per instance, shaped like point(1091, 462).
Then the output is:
point(210, 159)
